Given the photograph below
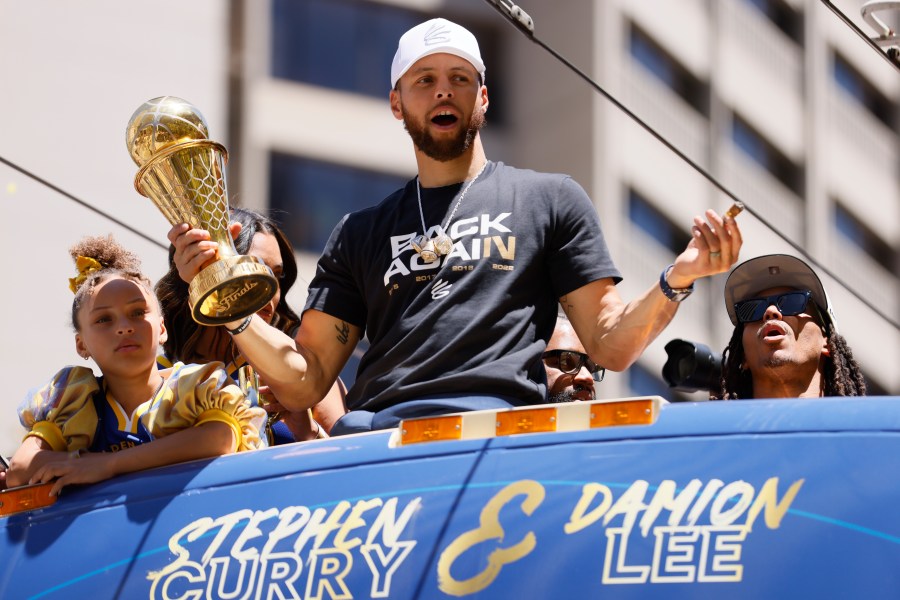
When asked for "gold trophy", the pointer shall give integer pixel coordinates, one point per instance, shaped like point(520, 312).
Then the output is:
point(182, 172)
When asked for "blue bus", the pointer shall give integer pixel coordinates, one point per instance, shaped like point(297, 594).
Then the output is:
point(631, 498)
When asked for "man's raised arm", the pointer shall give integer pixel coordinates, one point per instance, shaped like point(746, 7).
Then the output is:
point(614, 333)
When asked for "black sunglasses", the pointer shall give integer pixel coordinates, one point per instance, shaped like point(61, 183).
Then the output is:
point(570, 362)
point(788, 304)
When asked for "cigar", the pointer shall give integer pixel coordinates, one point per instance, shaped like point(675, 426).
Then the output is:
point(735, 210)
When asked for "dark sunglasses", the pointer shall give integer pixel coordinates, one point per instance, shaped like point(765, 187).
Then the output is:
point(570, 362)
point(788, 304)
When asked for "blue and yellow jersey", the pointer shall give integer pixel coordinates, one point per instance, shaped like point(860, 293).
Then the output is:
point(276, 432)
point(73, 411)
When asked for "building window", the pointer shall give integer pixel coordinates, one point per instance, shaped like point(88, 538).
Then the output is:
point(666, 69)
point(313, 196)
point(760, 151)
point(655, 224)
point(861, 236)
point(349, 45)
point(783, 16)
point(338, 44)
point(853, 83)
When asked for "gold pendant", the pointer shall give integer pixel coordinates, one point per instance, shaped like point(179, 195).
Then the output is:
point(425, 247)
point(419, 242)
point(443, 244)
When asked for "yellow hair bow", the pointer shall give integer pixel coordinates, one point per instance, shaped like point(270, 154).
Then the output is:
point(85, 265)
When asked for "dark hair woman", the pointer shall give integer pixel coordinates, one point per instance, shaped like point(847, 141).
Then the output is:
point(189, 341)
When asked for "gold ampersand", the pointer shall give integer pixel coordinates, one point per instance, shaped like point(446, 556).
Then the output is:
point(490, 528)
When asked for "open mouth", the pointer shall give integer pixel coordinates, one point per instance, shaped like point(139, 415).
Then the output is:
point(773, 330)
point(444, 119)
point(582, 393)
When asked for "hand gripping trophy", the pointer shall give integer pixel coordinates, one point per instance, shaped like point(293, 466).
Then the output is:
point(182, 172)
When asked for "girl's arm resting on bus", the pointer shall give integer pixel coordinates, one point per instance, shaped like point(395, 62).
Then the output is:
point(28, 458)
point(212, 438)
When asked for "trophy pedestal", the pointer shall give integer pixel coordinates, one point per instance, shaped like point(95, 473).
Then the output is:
point(230, 289)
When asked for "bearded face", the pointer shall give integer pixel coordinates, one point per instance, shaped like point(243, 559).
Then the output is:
point(571, 394)
point(447, 148)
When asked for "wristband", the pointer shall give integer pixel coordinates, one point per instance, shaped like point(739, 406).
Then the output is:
point(673, 294)
point(244, 325)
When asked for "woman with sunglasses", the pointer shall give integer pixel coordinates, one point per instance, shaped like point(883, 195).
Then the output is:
point(785, 342)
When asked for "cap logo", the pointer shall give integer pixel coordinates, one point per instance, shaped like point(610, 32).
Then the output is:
point(437, 34)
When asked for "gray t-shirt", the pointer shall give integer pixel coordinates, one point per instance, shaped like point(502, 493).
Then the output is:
point(475, 322)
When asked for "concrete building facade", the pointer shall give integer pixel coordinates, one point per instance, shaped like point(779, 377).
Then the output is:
point(777, 100)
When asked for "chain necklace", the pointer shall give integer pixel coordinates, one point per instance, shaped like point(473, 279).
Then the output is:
point(430, 249)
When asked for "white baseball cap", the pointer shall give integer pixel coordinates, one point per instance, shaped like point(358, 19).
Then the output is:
point(771, 271)
point(433, 37)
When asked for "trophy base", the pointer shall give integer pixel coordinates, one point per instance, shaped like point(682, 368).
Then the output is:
point(230, 289)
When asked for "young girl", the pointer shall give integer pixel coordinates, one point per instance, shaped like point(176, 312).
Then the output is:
point(83, 429)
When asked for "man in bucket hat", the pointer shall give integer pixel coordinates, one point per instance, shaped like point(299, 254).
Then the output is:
point(785, 342)
point(456, 278)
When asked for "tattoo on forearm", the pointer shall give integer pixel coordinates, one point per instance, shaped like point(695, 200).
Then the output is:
point(343, 332)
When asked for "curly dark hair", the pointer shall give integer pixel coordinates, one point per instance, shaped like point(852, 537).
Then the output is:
point(114, 260)
point(842, 375)
point(183, 332)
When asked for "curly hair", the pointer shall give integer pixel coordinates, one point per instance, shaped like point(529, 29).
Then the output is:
point(115, 261)
point(184, 334)
point(842, 375)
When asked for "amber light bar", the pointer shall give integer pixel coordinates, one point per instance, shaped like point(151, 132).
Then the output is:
point(431, 429)
point(627, 412)
point(26, 497)
point(573, 416)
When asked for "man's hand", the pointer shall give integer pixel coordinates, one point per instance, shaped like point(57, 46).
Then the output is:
point(194, 249)
point(714, 248)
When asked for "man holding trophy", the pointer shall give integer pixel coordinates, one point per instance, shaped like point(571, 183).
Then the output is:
point(456, 278)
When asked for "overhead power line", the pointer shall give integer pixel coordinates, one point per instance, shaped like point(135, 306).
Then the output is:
point(83, 203)
point(524, 23)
